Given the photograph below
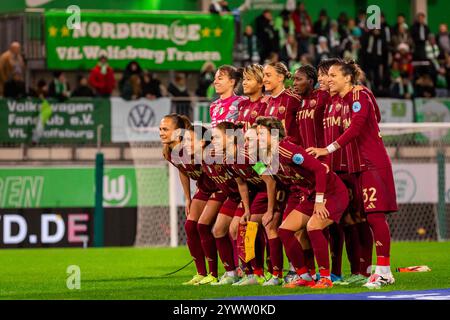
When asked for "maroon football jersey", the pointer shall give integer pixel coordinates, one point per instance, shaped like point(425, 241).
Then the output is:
point(363, 128)
point(297, 167)
point(309, 120)
point(195, 172)
point(333, 128)
point(221, 176)
point(284, 107)
point(249, 111)
point(246, 172)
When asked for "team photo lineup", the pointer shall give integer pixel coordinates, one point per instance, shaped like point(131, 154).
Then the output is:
point(307, 164)
point(225, 158)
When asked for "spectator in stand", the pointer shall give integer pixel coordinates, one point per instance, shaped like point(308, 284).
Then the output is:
point(432, 51)
point(334, 38)
point(206, 78)
point(152, 88)
point(82, 89)
point(402, 87)
point(402, 36)
point(178, 89)
point(351, 50)
point(219, 7)
point(285, 27)
point(132, 68)
point(374, 58)
point(386, 29)
point(251, 54)
point(401, 22)
point(288, 53)
point(268, 38)
point(361, 20)
point(59, 87)
point(343, 21)
point(15, 87)
point(132, 88)
point(102, 78)
point(322, 25)
point(11, 62)
point(41, 90)
point(443, 39)
point(419, 33)
point(424, 86)
point(322, 50)
point(403, 59)
point(447, 72)
point(303, 28)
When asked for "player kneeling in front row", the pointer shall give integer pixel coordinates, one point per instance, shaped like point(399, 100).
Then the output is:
point(326, 200)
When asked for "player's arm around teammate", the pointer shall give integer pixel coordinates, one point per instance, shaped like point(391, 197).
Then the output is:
point(376, 181)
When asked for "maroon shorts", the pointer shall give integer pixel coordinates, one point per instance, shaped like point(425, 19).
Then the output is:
point(378, 190)
point(202, 195)
point(336, 202)
point(259, 203)
point(293, 200)
point(352, 182)
point(231, 207)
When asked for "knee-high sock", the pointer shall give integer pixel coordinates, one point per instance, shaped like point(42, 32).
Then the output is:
point(195, 246)
point(353, 247)
point(258, 263)
point(319, 243)
point(209, 247)
point(276, 256)
point(293, 249)
point(382, 237)
point(267, 249)
point(366, 238)
point(336, 248)
point(225, 248)
point(309, 261)
point(235, 252)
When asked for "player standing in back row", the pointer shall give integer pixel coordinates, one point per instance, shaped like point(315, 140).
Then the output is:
point(377, 181)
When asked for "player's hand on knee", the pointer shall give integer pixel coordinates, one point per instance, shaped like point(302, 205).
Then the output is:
point(321, 210)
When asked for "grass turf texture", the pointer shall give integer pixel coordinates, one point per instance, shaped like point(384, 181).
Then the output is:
point(134, 273)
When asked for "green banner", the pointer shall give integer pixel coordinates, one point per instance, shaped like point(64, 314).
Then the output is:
point(63, 187)
point(74, 121)
point(433, 110)
point(157, 41)
point(21, 5)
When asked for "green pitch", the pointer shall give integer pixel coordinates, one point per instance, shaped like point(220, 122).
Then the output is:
point(134, 273)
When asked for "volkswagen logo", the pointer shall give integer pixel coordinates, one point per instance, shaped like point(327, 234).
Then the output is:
point(141, 116)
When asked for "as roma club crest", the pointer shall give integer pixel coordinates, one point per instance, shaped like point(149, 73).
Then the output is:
point(254, 114)
point(281, 109)
point(313, 103)
point(338, 107)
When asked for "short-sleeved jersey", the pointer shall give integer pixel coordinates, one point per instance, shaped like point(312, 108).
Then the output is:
point(223, 110)
point(222, 177)
point(244, 170)
point(284, 106)
point(297, 167)
point(195, 172)
point(363, 128)
point(249, 111)
point(310, 120)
